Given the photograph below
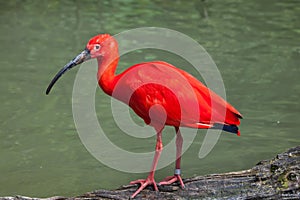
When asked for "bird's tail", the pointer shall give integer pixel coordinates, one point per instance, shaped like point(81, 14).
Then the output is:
point(229, 128)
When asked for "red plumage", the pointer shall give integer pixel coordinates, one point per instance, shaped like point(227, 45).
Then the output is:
point(152, 83)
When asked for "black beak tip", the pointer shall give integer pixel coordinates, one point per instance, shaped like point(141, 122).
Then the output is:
point(48, 90)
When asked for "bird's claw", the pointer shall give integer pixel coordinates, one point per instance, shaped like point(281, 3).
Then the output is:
point(143, 184)
point(172, 179)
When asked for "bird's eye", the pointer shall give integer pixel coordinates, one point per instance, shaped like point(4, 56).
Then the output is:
point(97, 47)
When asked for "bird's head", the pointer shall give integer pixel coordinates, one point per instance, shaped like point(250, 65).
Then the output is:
point(97, 47)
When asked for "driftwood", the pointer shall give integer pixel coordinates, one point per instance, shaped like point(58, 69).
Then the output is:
point(278, 178)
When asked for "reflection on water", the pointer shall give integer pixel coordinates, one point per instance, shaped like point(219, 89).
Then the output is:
point(255, 44)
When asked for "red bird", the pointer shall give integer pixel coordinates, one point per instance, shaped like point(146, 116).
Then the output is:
point(161, 95)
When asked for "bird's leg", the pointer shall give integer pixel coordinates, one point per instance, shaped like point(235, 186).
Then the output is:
point(177, 173)
point(150, 179)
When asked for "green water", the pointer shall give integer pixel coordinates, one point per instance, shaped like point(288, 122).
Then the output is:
point(255, 45)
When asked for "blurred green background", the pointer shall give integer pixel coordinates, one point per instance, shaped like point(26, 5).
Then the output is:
point(255, 45)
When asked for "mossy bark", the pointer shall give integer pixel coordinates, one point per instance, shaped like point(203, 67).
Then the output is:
point(278, 178)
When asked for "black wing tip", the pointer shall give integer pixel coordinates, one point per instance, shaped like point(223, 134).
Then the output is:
point(227, 128)
point(239, 116)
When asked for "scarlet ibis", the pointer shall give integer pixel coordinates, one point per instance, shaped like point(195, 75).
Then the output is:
point(157, 92)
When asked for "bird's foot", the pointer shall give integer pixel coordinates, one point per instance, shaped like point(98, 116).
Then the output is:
point(172, 179)
point(144, 183)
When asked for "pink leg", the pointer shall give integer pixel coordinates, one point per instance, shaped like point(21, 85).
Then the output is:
point(150, 179)
point(177, 177)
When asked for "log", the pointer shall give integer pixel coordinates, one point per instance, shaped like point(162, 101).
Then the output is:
point(278, 178)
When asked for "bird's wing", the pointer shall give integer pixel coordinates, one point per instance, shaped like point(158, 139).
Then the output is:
point(184, 98)
point(218, 104)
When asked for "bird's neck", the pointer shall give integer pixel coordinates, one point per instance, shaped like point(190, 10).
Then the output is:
point(106, 72)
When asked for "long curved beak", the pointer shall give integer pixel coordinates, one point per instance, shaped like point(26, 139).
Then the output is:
point(83, 56)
